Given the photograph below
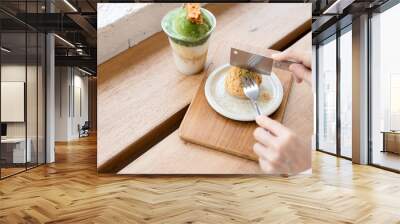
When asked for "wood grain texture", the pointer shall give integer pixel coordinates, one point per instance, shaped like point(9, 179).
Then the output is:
point(391, 142)
point(140, 89)
point(204, 126)
point(175, 156)
point(71, 191)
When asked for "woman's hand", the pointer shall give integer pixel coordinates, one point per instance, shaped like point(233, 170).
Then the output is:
point(302, 70)
point(280, 150)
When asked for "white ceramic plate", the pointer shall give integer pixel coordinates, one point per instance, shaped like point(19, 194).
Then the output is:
point(241, 109)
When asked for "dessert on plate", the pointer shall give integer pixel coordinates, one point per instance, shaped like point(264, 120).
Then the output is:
point(233, 80)
point(234, 86)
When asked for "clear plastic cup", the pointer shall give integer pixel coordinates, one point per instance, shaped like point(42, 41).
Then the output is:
point(189, 54)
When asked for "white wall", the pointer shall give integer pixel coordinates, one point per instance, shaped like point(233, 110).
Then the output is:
point(66, 121)
point(81, 83)
point(62, 81)
point(33, 126)
point(12, 101)
point(14, 72)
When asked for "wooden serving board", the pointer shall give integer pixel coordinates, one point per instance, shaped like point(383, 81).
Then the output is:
point(202, 125)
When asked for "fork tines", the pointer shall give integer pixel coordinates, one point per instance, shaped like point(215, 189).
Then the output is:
point(248, 82)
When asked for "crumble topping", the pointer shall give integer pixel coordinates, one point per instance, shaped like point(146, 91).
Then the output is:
point(194, 13)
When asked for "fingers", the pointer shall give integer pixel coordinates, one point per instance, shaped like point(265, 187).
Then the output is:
point(265, 152)
point(280, 150)
point(272, 168)
point(297, 78)
point(291, 55)
point(264, 137)
point(300, 72)
point(271, 158)
point(270, 125)
point(269, 154)
point(260, 150)
point(266, 166)
point(282, 56)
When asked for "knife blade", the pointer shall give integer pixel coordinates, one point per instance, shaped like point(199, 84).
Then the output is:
point(255, 62)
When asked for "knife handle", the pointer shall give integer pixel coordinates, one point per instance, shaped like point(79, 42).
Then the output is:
point(283, 64)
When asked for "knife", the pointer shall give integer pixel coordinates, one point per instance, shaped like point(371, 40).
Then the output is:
point(255, 62)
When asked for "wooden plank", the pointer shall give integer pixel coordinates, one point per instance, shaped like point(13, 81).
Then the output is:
point(174, 155)
point(391, 142)
point(204, 126)
point(140, 89)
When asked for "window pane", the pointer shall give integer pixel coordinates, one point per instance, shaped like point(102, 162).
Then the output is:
point(13, 87)
point(41, 98)
point(32, 90)
point(31, 98)
point(22, 89)
point(345, 93)
point(386, 89)
point(327, 96)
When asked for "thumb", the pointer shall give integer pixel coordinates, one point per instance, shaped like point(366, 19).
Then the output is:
point(300, 72)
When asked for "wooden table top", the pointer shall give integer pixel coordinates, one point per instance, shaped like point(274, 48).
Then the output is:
point(141, 96)
point(175, 156)
point(390, 132)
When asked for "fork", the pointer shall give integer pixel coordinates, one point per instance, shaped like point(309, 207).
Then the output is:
point(251, 90)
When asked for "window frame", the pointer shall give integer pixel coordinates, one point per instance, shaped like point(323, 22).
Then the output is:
point(340, 30)
point(334, 37)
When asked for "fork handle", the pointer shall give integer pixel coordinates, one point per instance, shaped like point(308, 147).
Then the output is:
point(256, 107)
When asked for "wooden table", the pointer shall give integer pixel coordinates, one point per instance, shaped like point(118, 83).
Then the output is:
point(142, 98)
point(391, 141)
point(15, 152)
